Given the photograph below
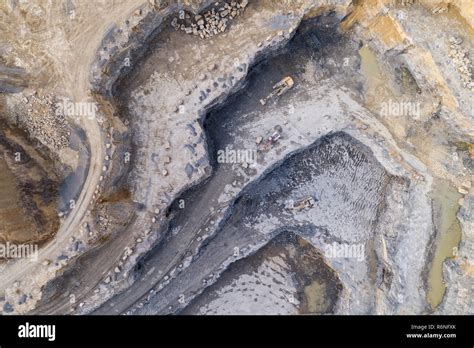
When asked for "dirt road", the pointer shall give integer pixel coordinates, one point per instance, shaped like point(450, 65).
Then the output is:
point(76, 72)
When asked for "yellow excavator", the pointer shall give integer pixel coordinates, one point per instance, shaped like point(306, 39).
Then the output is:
point(304, 203)
point(279, 89)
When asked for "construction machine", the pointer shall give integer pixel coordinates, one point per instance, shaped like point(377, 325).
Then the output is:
point(279, 89)
point(266, 143)
point(304, 203)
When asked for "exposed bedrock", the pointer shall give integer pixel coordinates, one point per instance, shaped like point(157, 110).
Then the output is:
point(167, 217)
point(349, 186)
point(166, 123)
point(336, 111)
point(286, 276)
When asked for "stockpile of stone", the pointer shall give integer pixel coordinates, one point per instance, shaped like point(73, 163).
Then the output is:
point(406, 2)
point(439, 9)
point(460, 58)
point(41, 121)
point(212, 22)
point(103, 223)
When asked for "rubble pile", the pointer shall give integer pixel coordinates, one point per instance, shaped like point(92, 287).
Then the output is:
point(460, 57)
point(103, 223)
point(212, 22)
point(439, 9)
point(43, 123)
point(406, 2)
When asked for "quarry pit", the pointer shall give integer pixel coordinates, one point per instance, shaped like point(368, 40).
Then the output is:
point(142, 159)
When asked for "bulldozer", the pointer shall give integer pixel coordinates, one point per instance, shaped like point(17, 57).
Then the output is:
point(304, 203)
point(279, 89)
